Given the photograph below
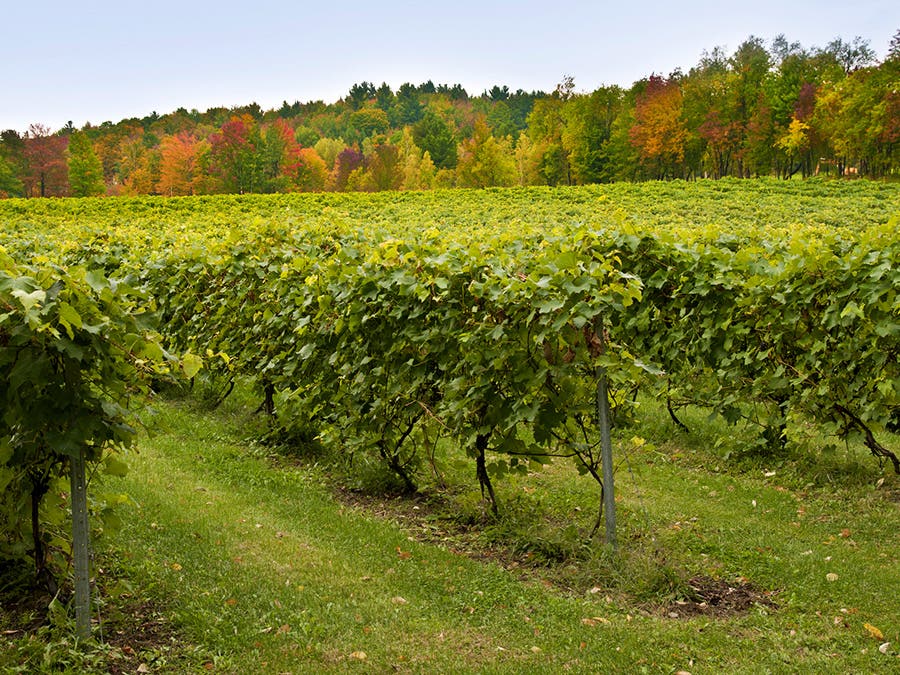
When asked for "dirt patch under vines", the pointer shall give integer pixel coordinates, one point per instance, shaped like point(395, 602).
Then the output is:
point(425, 519)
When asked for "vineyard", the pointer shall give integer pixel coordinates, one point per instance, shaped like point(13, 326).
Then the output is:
point(499, 321)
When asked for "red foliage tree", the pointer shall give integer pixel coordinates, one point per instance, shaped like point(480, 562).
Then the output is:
point(47, 173)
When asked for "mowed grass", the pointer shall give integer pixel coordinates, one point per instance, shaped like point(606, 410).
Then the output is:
point(257, 566)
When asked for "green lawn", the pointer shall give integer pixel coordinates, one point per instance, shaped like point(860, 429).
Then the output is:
point(249, 563)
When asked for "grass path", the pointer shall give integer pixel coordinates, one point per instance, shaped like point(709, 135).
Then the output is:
point(262, 570)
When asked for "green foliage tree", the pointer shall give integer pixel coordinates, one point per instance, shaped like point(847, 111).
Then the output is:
point(416, 166)
point(588, 125)
point(367, 122)
point(407, 108)
point(485, 161)
point(435, 136)
point(328, 149)
point(359, 94)
point(85, 169)
point(10, 185)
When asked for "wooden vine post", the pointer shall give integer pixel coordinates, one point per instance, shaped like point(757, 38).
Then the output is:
point(81, 547)
point(606, 459)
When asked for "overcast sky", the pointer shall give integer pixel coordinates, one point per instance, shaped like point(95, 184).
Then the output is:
point(96, 61)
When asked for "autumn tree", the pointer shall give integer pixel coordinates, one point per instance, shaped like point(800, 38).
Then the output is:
point(417, 169)
point(328, 149)
point(235, 155)
point(659, 133)
point(384, 167)
point(44, 155)
point(180, 171)
point(139, 164)
point(860, 118)
point(710, 112)
point(750, 65)
point(485, 161)
point(347, 161)
point(309, 173)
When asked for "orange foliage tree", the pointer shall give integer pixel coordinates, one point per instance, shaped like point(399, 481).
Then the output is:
point(180, 170)
point(659, 132)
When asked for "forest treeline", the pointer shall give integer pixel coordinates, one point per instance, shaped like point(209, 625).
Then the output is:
point(774, 108)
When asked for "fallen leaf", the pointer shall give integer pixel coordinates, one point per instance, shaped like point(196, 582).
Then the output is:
point(397, 600)
point(536, 650)
point(143, 668)
point(831, 576)
point(884, 647)
point(403, 555)
point(283, 629)
point(231, 602)
point(359, 656)
point(874, 632)
point(845, 533)
point(594, 620)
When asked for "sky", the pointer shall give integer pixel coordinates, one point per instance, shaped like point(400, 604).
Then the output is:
point(99, 61)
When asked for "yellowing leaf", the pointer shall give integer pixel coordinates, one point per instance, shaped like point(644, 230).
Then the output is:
point(115, 467)
point(191, 364)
